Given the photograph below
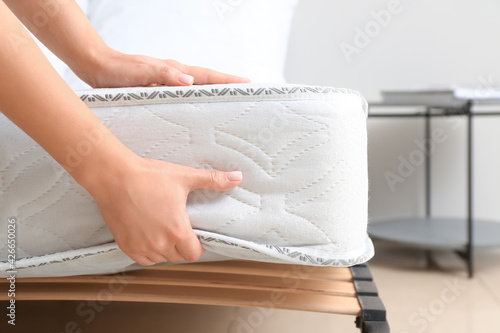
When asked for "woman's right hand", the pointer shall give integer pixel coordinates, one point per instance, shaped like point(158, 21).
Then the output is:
point(144, 205)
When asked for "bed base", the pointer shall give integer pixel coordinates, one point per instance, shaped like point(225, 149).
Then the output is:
point(348, 291)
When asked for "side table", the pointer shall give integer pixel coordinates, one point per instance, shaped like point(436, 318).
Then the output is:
point(461, 235)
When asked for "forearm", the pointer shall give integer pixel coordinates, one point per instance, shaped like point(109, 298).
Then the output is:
point(63, 27)
point(36, 99)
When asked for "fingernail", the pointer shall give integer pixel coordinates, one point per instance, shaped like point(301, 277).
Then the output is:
point(186, 79)
point(234, 176)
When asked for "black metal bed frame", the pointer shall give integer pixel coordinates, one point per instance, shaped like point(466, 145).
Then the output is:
point(373, 317)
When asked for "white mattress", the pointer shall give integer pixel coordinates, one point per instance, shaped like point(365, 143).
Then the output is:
point(303, 199)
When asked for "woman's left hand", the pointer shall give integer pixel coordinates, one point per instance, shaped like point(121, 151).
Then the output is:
point(124, 70)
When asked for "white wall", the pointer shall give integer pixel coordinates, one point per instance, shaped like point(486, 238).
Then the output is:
point(422, 43)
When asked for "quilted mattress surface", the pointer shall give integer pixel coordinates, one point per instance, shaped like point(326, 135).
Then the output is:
point(303, 200)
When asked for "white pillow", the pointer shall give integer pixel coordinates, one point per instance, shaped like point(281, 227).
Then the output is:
point(242, 37)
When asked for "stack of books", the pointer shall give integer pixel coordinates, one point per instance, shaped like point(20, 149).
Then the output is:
point(442, 96)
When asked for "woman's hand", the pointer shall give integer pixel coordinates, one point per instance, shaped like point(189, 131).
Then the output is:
point(116, 69)
point(144, 206)
point(143, 201)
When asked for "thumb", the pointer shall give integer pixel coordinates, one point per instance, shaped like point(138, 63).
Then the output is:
point(215, 180)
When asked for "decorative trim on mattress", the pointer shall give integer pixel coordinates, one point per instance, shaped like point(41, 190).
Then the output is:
point(206, 93)
point(294, 256)
point(56, 261)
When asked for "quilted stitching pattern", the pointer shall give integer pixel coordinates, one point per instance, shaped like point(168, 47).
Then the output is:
point(302, 151)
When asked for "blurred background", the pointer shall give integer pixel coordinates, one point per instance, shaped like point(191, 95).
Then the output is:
point(426, 44)
point(369, 46)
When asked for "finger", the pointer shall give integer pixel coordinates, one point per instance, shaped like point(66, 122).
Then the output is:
point(214, 179)
point(141, 260)
point(207, 76)
point(187, 245)
point(174, 256)
point(170, 76)
point(134, 255)
point(157, 257)
point(190, 249)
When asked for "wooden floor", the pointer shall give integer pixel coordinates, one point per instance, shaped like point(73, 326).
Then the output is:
point(229, 283)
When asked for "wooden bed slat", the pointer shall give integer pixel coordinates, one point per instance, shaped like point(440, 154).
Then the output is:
point(192, 295)
point(204, 279)
point(228, 283)
point(263, 269)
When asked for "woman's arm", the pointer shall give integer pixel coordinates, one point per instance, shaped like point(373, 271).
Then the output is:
point(65, 30)
point(142, 201)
